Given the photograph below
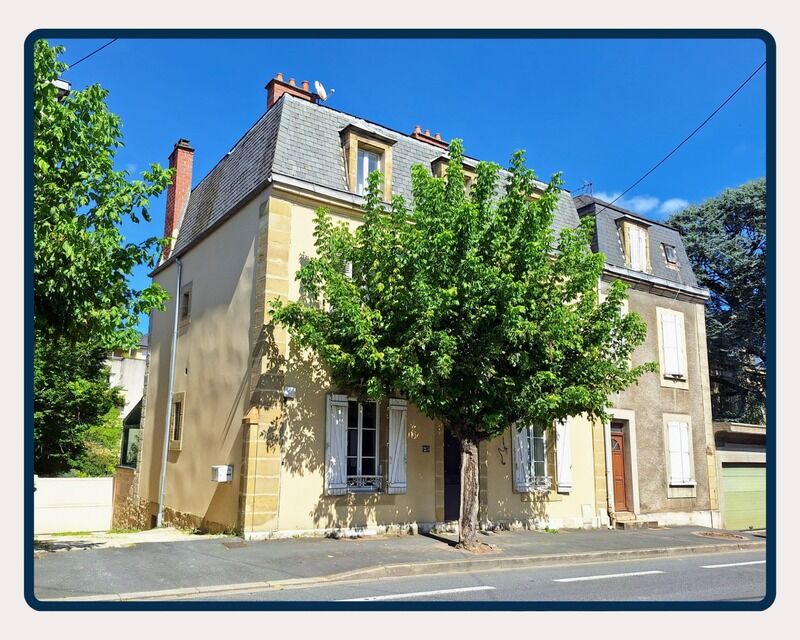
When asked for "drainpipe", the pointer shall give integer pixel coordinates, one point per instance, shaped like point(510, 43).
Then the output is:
point(163, 484)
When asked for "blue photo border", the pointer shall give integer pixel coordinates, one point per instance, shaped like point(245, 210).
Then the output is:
point(606, 34)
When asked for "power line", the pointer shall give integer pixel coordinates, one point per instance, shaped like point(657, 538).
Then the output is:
point(74, 64)
point(689, 137)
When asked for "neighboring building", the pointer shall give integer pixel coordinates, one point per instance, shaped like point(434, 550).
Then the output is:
point(661, 440)
point(290, 453)
point(742, 470)
point(129, 371)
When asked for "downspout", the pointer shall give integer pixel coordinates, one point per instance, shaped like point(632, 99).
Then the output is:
point(607, 447)
point(163, 484)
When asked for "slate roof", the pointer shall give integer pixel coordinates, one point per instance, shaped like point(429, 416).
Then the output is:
point(607, 240)
point(301, 140)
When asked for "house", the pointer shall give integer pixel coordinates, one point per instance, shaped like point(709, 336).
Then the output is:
point(742, 471)
point(260, 440)
point(660, 441)
point(128, 370)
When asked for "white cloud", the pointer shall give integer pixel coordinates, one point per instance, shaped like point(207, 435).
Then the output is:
point(644, 204)
point(673, 205)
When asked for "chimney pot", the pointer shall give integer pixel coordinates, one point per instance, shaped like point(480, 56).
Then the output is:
point(304, 85)
point(417, 129)
point(279, 76)
point(438, 136)
point(291, 82)
point(428, 132)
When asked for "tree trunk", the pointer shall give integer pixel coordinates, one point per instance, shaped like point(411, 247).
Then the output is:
point(468, 522)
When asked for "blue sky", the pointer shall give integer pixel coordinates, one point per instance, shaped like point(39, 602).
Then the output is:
point(602, 111)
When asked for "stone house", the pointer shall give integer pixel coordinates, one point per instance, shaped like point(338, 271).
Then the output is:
point(290, 452)
point(661, 439)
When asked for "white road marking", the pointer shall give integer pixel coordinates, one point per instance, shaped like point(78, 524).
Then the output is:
point(731, 564)
point(608, 575)
point(397, 596)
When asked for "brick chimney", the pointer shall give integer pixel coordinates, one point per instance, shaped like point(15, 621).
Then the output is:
point(277, 87)
point(180, 161)
point(435, 140)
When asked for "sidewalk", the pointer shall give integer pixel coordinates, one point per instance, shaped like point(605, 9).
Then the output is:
point(202, 565)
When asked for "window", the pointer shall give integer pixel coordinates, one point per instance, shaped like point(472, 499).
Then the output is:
point(362, 446)
point(352, 436)
point(530, 456)
point(130, 445)
point(673, 345)
point(185, 311)
point(680, 460)
point(176, 422)
point(366, 151)
point(670, 254)
point(368, 161)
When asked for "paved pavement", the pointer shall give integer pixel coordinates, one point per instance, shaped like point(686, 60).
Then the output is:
point(738, 576)
point(181, 567)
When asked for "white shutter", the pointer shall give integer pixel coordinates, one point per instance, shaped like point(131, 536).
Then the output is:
point(636, 239)
point(679, 468)
point(563, 456)
point(336, 446)
point(670, 343)
point(687, 472)
point(398, 413)
point(679, 340)
point(521, 447)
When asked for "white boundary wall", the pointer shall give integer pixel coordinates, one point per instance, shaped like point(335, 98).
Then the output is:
point(72, 504)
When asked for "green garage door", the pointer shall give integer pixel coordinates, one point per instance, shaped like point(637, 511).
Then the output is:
point(744, 488)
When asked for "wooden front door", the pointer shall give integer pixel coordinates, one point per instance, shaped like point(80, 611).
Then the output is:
point(618, 470)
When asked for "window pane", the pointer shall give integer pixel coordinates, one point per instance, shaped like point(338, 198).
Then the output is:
point(132, 446)
point(368, 442)
point(352, 442)
point(538, 450)
point(177, 420)
point(368, 466)
point(352, 415)
point(352, 468)
point(369, 415)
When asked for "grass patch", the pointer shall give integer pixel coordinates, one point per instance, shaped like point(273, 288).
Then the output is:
point(549, 530)
point(118, 530)
point(71, 533)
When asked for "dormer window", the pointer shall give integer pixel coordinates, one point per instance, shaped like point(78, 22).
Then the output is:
point(439, 170)
point(368, 161)
point(670, 254)
point(635, 243)
point(366, 151)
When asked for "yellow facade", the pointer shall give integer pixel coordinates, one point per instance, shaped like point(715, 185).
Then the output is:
point(232, 365)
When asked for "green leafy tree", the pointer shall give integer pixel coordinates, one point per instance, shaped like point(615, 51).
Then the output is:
point(468, 305)
point(726, 241)
point(84, 305)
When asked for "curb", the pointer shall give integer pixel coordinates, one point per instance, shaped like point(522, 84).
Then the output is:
point(419, 569)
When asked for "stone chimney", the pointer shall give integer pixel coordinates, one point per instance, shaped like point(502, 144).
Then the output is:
point(180, 161)
point(277, 87)
point(435, 140)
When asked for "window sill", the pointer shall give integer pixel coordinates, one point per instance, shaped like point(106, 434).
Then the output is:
point(688, 483)
point(175, 446)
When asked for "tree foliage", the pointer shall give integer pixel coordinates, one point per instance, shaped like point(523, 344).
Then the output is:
point(467, 304)
point(726, 241)
point(83, 303)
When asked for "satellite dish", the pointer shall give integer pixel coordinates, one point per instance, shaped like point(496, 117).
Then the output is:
point(320, 90)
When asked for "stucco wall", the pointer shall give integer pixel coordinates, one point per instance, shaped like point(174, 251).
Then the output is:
point(650, 401)
point(211, 369)
point(128, 373)
point(72, 504)
point(545, 508)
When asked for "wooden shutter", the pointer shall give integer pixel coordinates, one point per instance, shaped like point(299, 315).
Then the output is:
point(563, 456)
point(670, 343)
point(521, 448)
point(636, 238)
point(679, 460)
point(398, 413)
point(336, 446)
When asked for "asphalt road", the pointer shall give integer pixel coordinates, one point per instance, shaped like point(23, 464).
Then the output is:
point(739, 576)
